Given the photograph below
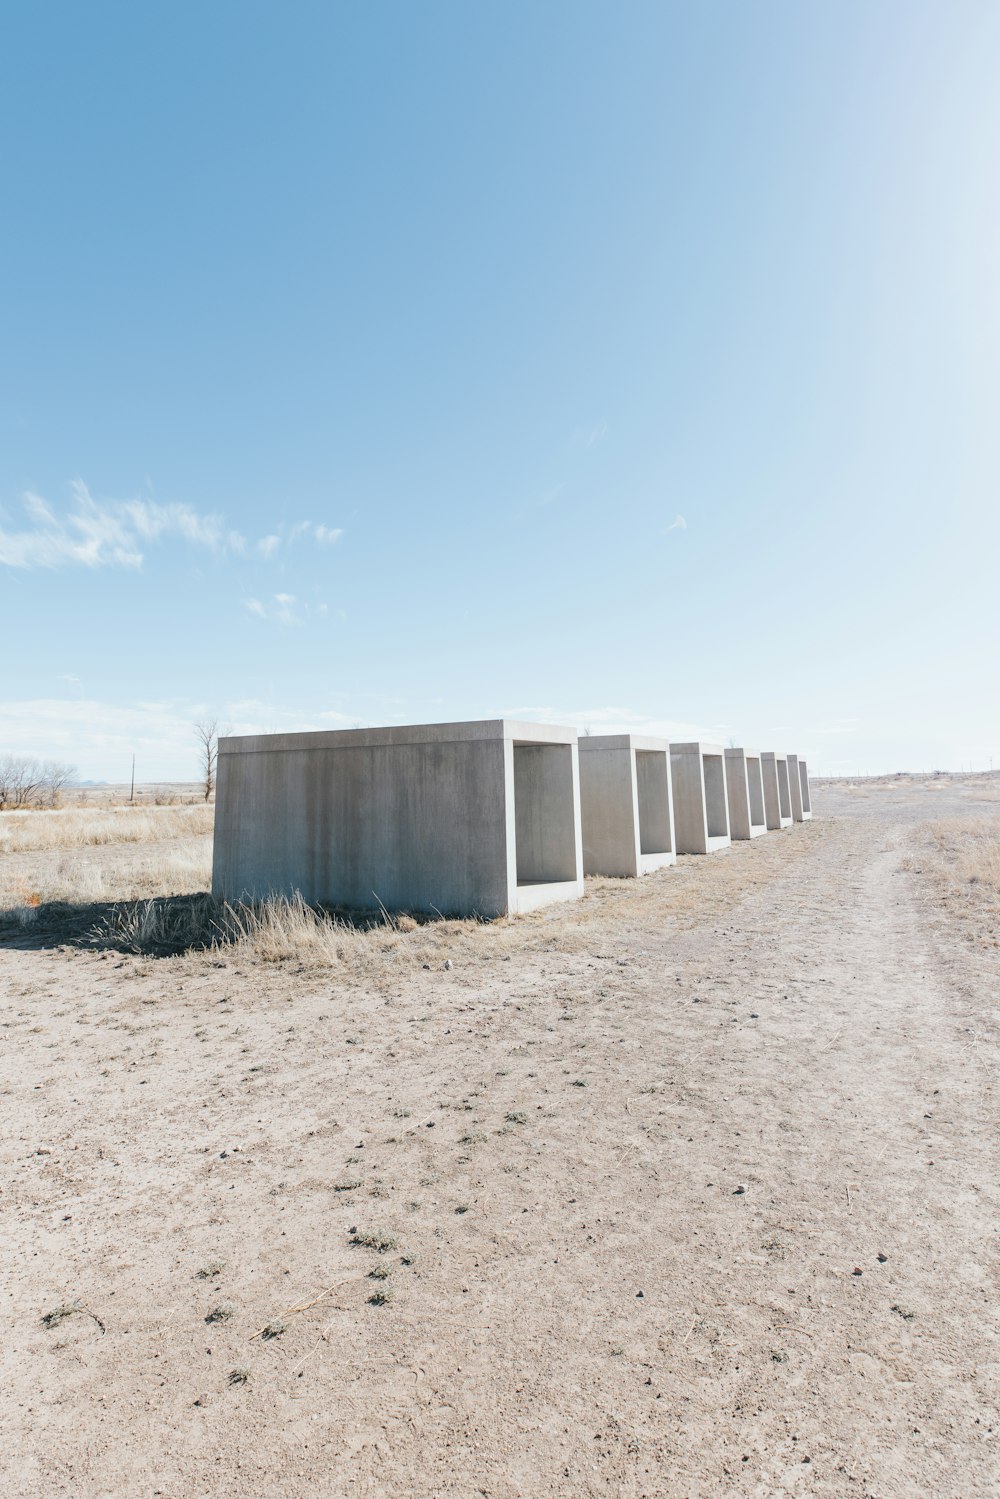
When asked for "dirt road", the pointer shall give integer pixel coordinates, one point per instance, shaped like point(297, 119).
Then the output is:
point(689, 1191)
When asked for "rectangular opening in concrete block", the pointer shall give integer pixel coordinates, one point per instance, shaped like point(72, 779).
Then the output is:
point(653, 788)
point(756, 789)
point(716, 811)
point(544, 814)
point(784, 794)
point(804, 783)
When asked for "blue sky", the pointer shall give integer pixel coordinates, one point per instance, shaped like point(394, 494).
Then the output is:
point(622, 366)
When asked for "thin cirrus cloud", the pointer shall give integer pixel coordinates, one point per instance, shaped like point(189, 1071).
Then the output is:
point(678, 524)
point(284, 609)
point(107, 533)
point(95, 533)
point(589, 437)
point(325, 536)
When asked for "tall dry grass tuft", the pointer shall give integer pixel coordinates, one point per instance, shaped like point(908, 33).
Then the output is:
point(283, 929)
point(32, 832)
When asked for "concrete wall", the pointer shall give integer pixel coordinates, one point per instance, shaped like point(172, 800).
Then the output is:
point(746, 794)
point(545, 814)
point(804, 791)
point(777, 801)
point(755, 785)
point(701, 809)
point(794, 787)
point(474, 818)
point(625, 804)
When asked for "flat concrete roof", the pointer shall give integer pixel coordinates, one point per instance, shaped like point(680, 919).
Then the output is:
point(695, 747)
point(399, 734)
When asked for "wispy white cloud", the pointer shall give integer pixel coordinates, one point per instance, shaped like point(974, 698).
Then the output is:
point(680, 524)
point(328, 536)
point(99, 737)
point(324, 536)
point(107, 533)
point(284, 609)
point(589, 437)
point(619, 720)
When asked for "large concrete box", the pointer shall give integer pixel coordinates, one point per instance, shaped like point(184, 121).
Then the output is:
point(701, 805)
point(794, 787)
point(745, 790)
point(777, 792)
point(461, 819)
point(625, 804)
point(798, 782)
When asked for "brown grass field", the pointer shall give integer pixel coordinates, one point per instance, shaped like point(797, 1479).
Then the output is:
point(686, 1189)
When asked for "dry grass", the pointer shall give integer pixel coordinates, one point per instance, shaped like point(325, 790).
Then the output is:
point(30, 832)
point(284, 929)
point(962, 857)
point(154, 900)
point(27, 884)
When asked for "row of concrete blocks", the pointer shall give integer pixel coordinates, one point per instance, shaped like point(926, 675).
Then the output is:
point(482, 818)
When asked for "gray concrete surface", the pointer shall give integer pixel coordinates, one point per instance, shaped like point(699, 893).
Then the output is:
point(745, 790)
point(701, 809)
point(794, 787)
point(625, 804)
point(805, 795)
point(777, 798)
point(464, 819)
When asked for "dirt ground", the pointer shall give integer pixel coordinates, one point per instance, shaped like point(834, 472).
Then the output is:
point(690, 1190)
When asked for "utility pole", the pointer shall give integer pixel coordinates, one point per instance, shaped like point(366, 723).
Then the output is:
point(131, 796)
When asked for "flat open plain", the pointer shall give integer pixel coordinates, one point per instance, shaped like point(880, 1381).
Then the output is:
point(689, 1189)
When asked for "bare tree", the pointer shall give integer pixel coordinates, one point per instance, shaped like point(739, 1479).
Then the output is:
point(56, 777)
point(207, 734)
point(26, 782)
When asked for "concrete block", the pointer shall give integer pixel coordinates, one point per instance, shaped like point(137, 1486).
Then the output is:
point(794, 787)
point(745, 789)
point(777, 792)
point(805, 801)
point(701, 804)
point(462, 819)
point(625, 804)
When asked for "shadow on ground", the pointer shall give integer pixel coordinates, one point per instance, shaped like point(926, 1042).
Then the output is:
point(170, 925)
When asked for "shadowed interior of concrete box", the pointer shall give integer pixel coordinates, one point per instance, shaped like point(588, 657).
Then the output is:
point(756, 790)
point(804, 783)
point(716, 811)
point(653, 788)
point(784, 795)
point(544, 814)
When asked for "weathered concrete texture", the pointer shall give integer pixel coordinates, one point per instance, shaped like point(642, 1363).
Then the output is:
point(777, 796)
point(701, 810)
point(625, 804)
point(745, 790)
point(463, 819)
point(805, 798)
point(795, 787)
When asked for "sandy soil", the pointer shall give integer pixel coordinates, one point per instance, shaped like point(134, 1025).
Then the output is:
point(689, 1191)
